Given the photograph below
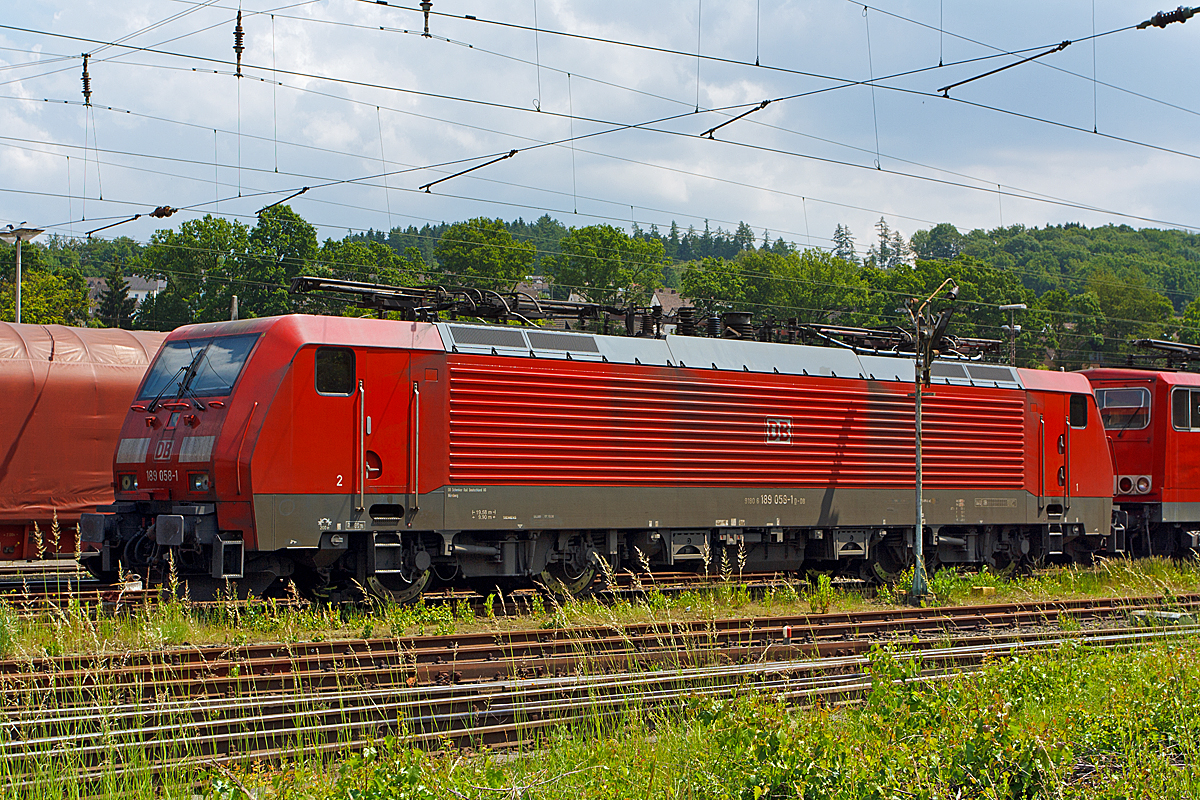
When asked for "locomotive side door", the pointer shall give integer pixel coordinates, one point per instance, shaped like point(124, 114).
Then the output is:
point(383, 466)
point(1054, 454)
point(1055, 468)
point(335, 409)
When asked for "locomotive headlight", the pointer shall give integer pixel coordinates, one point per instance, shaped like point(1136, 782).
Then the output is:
point(198, 482)
point(1143, 484)
point(1125, 485)
point(128, 483)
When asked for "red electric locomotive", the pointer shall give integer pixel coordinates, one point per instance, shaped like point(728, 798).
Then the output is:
point(1153, 423)
point(338, 452)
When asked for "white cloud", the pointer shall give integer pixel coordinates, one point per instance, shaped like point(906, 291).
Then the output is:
point(826, 37)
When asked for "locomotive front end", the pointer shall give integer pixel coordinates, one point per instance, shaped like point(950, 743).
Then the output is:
point(176, 458)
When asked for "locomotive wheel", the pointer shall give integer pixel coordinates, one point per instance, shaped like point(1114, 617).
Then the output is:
point(92, 565)
point(890, 558)
point(570, 580)
point(397, 589)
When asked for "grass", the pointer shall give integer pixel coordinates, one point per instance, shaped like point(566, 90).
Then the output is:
point(1077, 723)
point(76, 628)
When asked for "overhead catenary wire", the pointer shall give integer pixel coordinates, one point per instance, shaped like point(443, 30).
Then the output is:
point(477, 101)
point(915, 92)
point(1063, 45)
point(1091, 208)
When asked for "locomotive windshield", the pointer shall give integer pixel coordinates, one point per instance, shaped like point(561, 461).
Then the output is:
point(203, 367)
point(1124, 409)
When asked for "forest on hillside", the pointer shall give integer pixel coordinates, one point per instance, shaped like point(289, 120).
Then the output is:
point(1089, 291)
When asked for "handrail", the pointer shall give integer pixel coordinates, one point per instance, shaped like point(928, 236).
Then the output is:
point(1067, 468)
point(362, 447)
point(416, 478)
point(1041, 462)
point(237, 465)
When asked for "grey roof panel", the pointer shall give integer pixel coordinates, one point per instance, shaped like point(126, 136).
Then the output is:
point(724, 354)
point(888, 368)
point(634, 350)
point(792, 359)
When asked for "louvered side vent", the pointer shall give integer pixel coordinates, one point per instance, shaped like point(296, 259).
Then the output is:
point(488, 337)
point(544, 340)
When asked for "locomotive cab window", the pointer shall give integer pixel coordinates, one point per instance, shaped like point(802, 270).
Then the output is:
point(1078, 411)
point(1124, 409)
point(1185, 409)
point(335, 370)
point(200, 367)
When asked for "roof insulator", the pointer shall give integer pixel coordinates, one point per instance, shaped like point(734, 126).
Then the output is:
point(426, 5)
point(1164, 18)
point(239, 38)
point(87, 81)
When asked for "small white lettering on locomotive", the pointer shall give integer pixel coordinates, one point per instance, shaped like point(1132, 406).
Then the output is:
point(163, 475)
point(779, 430)
point(773, 500)
point(483, 513)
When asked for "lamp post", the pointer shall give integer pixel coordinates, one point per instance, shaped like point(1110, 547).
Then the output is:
point(8, 235)
point(928, 332)
point(1012, 329)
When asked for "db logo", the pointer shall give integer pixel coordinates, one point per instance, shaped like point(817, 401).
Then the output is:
point(162, 451)
point(779, 430)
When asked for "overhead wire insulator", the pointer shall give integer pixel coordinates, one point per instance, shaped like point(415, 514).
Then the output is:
point(426, 6)
point(239, 38)
point(1164, 18)
point(162, 212)
point(87, 81)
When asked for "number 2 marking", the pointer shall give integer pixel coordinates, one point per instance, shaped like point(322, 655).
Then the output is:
point(339, 480)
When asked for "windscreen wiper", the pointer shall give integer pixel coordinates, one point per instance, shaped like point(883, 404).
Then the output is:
point(167, 385)
point(192, 370)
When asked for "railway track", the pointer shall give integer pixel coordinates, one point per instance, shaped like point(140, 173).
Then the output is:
point(160, 711)
point(37, 593)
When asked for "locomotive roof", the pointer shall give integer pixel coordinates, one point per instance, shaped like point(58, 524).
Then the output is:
point(673, 350)
point(1169, 377)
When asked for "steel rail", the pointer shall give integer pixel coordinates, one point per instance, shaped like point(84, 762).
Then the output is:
point(532, 704)
point(481, 655)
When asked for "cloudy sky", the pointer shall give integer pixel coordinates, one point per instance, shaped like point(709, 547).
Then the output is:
point(335, 93)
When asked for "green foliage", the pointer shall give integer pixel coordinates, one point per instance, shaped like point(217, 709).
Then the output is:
point(50, 294)
point(116, 306)
point(890, 250)
point(714, 284)
point(396, 773)
point(483, 254)
point(9, 628)
point(607, 265)
point(942, 242)
point(281, 246)
point(822, 594)
point(203, 263)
